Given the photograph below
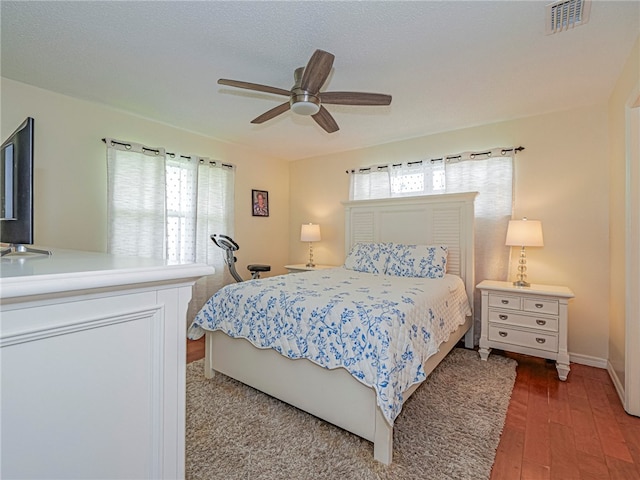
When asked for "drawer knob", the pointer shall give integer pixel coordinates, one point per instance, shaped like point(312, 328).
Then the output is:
point(541, 322)
point(505, 302)
point(503, 317)
point(539, 305)
point(502, 334)
point(541, 340)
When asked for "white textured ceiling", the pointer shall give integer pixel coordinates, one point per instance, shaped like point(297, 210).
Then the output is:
point(447, 64)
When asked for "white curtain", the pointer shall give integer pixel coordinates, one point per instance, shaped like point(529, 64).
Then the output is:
point(490, 173)
point(166, 205)
point(215, 213)
point(136, 199)
point(492, 178)
point(370, 183)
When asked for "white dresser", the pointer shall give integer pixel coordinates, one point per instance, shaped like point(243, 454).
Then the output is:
point(92, 352)
point(529, 320)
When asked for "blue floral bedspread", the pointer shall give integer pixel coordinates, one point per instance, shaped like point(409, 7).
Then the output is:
point(378, 327)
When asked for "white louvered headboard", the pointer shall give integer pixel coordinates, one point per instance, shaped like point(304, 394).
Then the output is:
point(444, 219)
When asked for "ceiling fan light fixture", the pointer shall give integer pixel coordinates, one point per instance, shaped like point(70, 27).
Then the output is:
point(305, 108)
point(303, 103)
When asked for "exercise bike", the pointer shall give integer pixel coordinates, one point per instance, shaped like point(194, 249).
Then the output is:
point(230, 246)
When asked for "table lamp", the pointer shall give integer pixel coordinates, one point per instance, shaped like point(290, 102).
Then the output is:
point(310, 232)
point(524, 233)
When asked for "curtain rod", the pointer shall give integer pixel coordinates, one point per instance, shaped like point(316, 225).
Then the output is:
point(172, 155)
point(472, 155)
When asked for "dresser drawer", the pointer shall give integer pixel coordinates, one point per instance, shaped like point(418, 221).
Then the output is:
point(530, 321)
point(505, 301)
point(541, 305)
point(524, 338)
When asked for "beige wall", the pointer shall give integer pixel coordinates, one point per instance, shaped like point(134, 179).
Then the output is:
point(71, 179)
point(561, 179)
point(627, 84)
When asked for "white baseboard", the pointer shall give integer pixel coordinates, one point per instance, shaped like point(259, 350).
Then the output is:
point(601, 363)
point(617, 383)
point(589, 360)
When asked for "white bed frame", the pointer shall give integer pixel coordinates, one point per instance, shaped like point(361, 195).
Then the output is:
point(334, 395)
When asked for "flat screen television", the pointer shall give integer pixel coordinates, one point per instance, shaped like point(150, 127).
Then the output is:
point(16, 190)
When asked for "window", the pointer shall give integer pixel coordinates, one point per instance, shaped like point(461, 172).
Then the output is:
point(488, 173)
point(398, 180)
point(417, 178)
point(167, 206)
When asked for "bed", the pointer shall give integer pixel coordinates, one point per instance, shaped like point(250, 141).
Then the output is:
point(363, 400)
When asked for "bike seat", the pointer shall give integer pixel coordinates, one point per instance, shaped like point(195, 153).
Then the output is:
point(259, 268)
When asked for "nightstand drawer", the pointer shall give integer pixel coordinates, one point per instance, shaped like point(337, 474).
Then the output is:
point(505, 301)
point(538, 305)
point(529, 321)
point(524, 338)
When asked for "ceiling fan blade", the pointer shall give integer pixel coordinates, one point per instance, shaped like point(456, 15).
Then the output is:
point(355, 98)
point(317, 71)
point(274, 112)
point(325, 120)
point(254, 86)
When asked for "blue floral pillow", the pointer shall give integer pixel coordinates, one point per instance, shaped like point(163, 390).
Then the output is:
point(428, 261)
point(368, 257)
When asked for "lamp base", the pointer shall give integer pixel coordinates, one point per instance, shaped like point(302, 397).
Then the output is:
point(521, 283)
point(310, 263)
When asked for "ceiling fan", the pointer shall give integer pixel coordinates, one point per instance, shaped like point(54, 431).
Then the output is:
point(305, 97)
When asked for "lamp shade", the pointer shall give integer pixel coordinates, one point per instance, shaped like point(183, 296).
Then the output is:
point(310, 232)
point(524, 233)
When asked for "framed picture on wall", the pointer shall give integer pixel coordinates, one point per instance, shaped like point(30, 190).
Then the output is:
point(260, 203)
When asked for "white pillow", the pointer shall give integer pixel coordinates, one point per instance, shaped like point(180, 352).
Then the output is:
point(368, 257)
point(428, 261)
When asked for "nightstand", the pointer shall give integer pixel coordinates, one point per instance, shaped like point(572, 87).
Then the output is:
point(301, 267)
point(528, 320)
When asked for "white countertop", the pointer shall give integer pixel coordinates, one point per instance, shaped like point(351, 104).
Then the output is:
point(25, 274)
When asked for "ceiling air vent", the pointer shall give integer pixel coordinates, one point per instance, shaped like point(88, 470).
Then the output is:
point(566, 14)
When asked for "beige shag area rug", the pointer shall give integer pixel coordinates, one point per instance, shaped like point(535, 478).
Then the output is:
point(448, 429)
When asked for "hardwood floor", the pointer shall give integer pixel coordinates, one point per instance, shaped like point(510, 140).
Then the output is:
point(566, 430)
point(195, 350)
point(557, 430)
